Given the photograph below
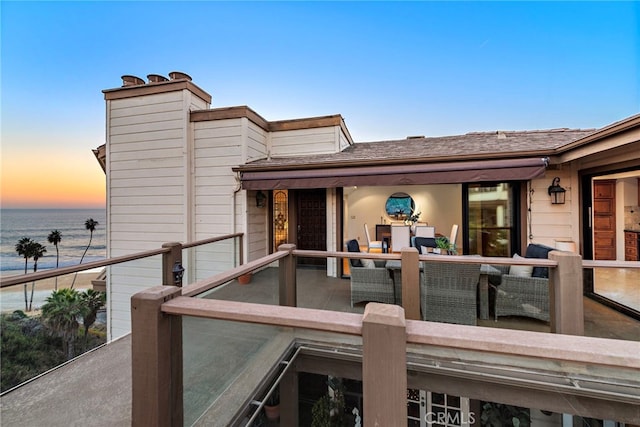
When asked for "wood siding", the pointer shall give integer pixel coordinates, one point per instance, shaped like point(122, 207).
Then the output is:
point(553, 222)
point(304, 141)
point(147, 189)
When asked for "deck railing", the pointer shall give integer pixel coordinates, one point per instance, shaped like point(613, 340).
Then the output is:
point(611, 390)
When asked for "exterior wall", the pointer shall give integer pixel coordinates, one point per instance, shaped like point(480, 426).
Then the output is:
point(550, 223)
point(343, 141)
point(303, 141)
point(148, 191)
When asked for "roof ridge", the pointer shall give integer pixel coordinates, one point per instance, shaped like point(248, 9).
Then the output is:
point(530, 131)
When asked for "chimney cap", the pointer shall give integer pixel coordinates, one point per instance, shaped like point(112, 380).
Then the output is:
point(155, 78)
point(128, 80)
point(177, 75)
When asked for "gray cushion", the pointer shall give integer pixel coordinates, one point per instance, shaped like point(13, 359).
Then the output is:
point(354, 246)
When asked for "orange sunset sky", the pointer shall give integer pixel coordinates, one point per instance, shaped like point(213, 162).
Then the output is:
point(51, 178)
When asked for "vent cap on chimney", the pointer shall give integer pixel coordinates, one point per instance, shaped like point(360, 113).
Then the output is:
point(177, 75)
point(156, 78)
point(131, 81)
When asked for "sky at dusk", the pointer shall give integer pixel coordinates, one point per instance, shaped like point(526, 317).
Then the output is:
point(391, 69)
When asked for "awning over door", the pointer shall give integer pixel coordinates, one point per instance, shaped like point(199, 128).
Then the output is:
point(412, 174)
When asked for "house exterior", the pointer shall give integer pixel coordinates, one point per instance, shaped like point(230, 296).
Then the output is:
point(179, 170)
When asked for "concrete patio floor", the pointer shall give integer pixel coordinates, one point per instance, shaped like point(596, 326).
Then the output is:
point(95, 388)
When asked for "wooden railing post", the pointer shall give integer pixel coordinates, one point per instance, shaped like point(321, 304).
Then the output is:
point(384, 365)
point(156, 359)
point(565, 294)
point(169, 260)
point(411, 283)
point(287, 272)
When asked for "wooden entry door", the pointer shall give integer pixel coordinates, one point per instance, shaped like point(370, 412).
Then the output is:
point(604, 219)
point(311, 219)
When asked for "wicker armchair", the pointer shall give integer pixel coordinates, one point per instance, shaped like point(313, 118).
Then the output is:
point(448, 292)
point(523, 296)
point(369, 283)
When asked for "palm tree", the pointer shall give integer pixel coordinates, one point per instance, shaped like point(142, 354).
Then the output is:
point(90, 225)
point(37, 252)
point(55, 237)
point(92, 301)
point(24, 247)
point(60, 314)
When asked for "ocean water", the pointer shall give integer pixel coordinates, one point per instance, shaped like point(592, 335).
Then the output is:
point(37, 224)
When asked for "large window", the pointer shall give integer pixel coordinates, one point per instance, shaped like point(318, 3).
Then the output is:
point(491, 219)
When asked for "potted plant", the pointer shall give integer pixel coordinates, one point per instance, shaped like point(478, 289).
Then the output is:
point(442, 245)
point(272, 405)
point(244, 279)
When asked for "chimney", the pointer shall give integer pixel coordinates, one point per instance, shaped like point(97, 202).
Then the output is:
point(177, 75)
point(131, 81)
point(501, 134)
point(156, 78)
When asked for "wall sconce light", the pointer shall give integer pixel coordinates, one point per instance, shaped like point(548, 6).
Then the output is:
point(261, 199)
point(178, 272)
point(556, 192)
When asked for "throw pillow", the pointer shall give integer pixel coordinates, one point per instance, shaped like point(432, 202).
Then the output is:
point(368, 263)
point(520, 270)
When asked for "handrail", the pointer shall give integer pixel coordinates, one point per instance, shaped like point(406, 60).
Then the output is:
point(211, 240)
point(429, 257)
point(47, 274)
point(541, 345)
point(275, 315)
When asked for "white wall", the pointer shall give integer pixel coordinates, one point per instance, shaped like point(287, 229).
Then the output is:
point(303, 141)
point(554, 222)
point(441, 206)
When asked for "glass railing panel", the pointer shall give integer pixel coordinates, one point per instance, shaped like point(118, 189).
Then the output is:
point(33, 342)
point(224, 363)
point(620, 285)
point(261, 287)
point(206, 260)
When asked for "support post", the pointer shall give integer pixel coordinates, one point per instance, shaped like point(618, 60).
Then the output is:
point(169, 260)
point(287, 276)
point(565, 294)
point(384, 365)
point(156, 359)
point(411, 283)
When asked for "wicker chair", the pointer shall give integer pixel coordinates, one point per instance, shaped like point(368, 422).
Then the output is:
point(448, 292)
point(525, 296)
point(369, 284)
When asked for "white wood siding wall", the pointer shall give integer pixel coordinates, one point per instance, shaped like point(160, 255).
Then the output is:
point(147, 190)
point(257, 218)
point(303, 141)
point(554, 222)
point(343, 141)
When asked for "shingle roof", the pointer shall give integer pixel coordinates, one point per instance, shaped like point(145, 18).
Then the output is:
point(469, 146)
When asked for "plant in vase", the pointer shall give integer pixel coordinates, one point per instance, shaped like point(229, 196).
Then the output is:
point(442, 245)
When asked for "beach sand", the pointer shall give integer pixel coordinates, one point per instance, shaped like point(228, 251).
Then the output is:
point(12, 298)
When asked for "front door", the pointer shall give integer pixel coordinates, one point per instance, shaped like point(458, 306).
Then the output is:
point(311, 220)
